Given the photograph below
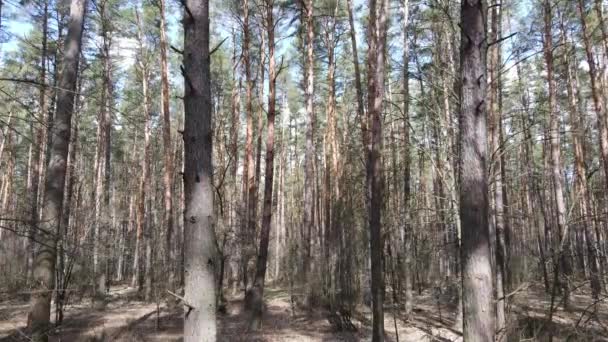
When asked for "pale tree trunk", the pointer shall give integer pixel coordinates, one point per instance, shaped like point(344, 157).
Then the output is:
point(199, 235)
point(101, 222)
point(477, 292)
point(143, 213)
point(376, 58)
point(44, 262)
point(561, 265)
point(167, 150)
point(407, 227)
point(6, 190)
point(249, 189)
point(38, 151)
point(257, 290)
point(496, 151)
point(332, 224)
point(310, 150)
point(44, 134)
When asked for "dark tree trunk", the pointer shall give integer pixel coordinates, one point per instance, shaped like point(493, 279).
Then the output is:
point(477, 292)
point(376, 58)
point(257, 291)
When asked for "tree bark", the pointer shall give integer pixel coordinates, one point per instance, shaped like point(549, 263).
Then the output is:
point(44, 262)
point(199, 236)
point(556, 166)
point(407, 227)
point(167, 149)
point(257, 290)
point(496, 151)
point(249, 188)
point(310, 150)
point(477, 292)
point(376, 58)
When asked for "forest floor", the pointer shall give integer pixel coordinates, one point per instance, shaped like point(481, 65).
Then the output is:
point(125, 318)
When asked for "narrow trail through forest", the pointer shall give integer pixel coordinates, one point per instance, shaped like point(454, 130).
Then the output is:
point(126, 318)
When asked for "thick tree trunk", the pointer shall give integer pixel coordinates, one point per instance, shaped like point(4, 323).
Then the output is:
point(477, 292)
point(44, 262)
point(199, 236)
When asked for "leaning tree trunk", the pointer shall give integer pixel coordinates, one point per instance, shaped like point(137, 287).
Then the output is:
point(44, 261)
point(199, 236)
point(477, 292)
point(257, 291)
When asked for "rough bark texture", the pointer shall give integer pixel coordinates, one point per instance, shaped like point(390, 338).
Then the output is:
point(44, 262)
point(102, 162)
point(257, 290)
point(555, 150)
point(496, 169)
point(167, 148)
point(376, 57)
point(407, 227)
point(477, 293)
point(310, 153)
point(249, 188)
point(199, 236)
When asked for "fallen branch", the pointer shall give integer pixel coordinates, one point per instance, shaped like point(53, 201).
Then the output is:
point(190, 306)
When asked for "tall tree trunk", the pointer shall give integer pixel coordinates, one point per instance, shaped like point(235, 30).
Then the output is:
point(143, 274)
point(44, 262)
point(407, 227)
point(102, 163)
point(310, 151)
point(477, 292)
point(556, 166)
point(38, 151)
point(596, 94)
point(167, 149)
point(257, 290)
point(199, 236)
point(249, 187)
point(496, 152)
point(376, 58)
point(358, 83)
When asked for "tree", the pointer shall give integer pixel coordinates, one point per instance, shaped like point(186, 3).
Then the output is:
point(376, 57)
point(310, 152)
point(44, 261)
point(257, 291)
point(199, 236)
point(167, 146)
point(477, 289)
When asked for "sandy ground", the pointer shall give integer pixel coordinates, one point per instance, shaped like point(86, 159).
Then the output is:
point(125, 318)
